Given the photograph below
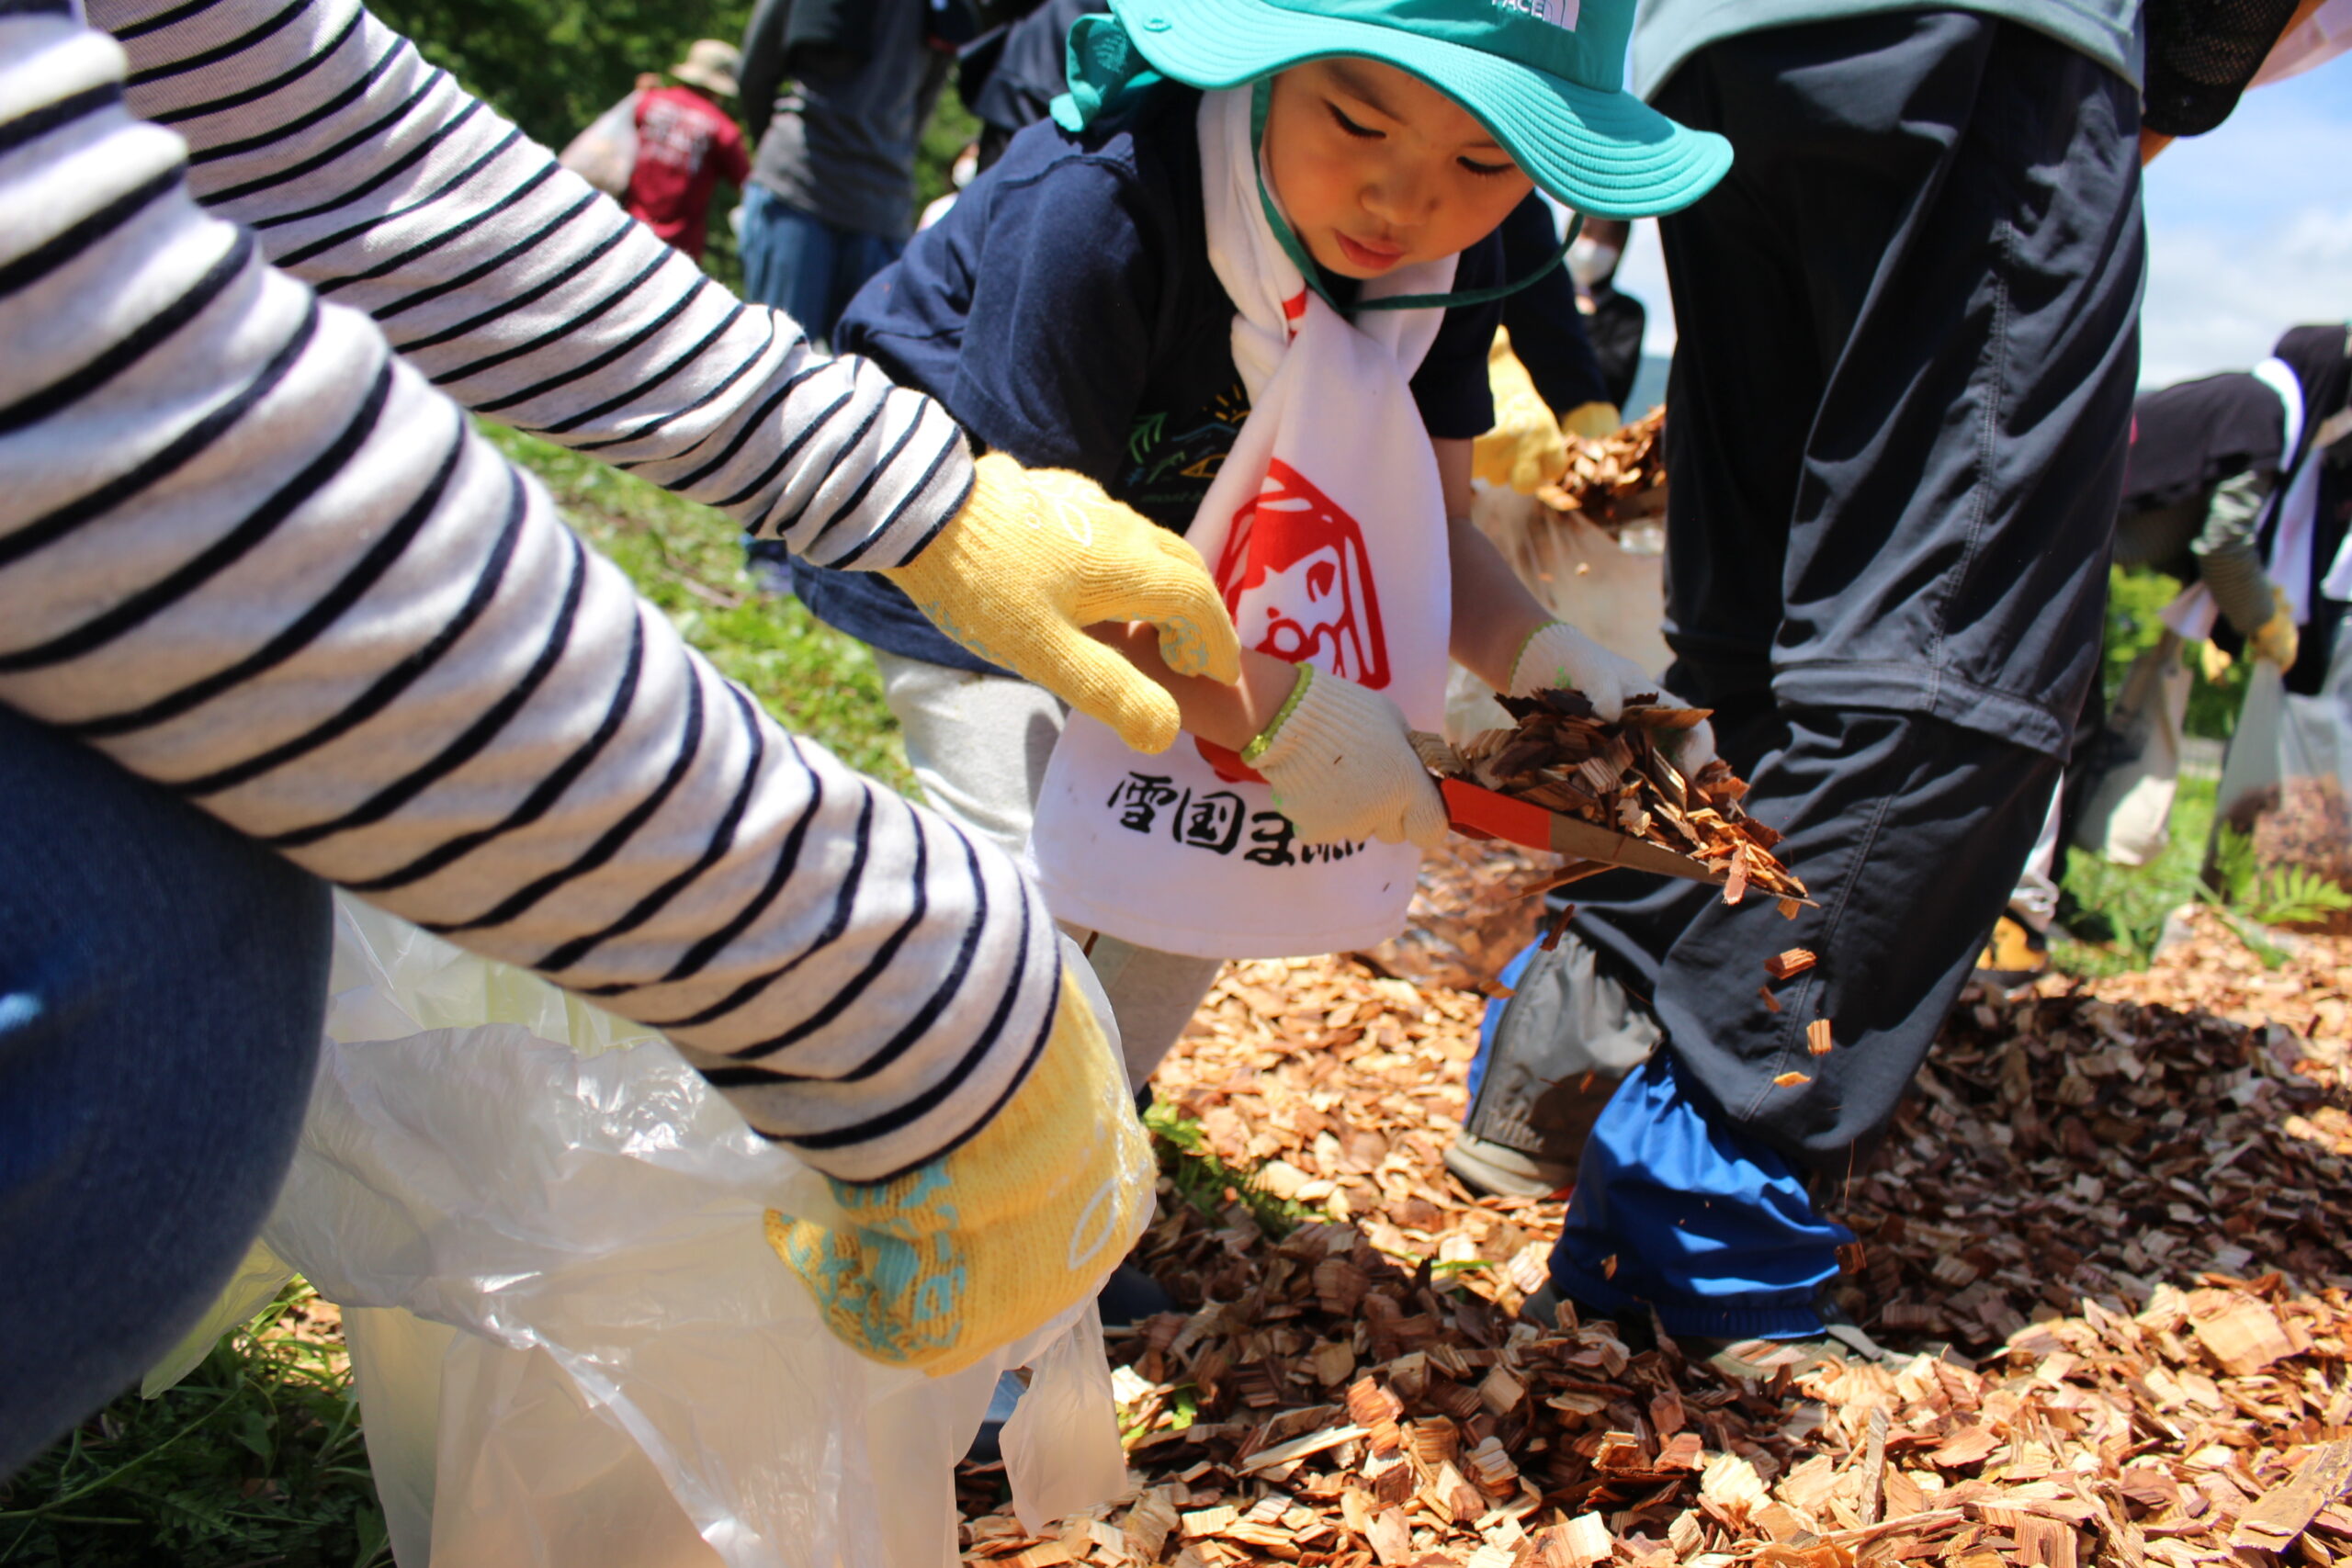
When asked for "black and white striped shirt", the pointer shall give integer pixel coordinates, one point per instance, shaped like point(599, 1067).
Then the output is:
point(253, 555)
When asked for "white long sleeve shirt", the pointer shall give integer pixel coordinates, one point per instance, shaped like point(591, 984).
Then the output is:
point(253, 554)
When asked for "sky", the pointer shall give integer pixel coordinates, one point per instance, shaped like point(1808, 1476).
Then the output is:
point(2250, 232)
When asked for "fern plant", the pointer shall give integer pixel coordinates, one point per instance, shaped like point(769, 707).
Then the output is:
point(2252, 896)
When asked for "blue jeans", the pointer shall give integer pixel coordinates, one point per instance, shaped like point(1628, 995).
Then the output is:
point(163, 986)
point(803, 265)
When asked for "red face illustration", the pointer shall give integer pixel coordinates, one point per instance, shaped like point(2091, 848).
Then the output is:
point(1299, 559)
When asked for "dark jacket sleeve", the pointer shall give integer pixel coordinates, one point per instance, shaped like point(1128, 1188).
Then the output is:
point(762, 76)
point(1546, 329)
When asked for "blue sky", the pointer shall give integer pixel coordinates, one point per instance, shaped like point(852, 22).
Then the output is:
point(2250, 232)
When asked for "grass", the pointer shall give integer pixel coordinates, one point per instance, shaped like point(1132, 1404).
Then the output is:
point(256, 1458)
point(2113, 915)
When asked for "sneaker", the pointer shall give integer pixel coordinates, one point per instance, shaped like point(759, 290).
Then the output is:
point(1499, 1170)
point(1550, 1058)
point(2015, 954)
point(1636, 1330)
point(1841, 1338)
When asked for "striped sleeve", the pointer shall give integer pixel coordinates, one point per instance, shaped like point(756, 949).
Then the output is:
point(253, 555)
point(520, 292)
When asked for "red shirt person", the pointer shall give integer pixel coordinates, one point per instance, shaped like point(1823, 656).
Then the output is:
point(685, 144)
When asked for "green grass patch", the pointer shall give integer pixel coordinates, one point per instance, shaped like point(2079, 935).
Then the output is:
point(254, 1458)
point(1210, 1185)
point(2112, 915)
point(689, 559)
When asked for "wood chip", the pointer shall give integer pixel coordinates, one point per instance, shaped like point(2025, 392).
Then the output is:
point(2130, 1211)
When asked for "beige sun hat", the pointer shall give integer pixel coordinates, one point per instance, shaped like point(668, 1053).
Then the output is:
point(710, 64)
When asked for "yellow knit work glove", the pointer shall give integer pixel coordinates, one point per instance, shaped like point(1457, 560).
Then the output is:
point(982, 1246)
point(1036, 556)
point(2213, 662)
point(1525, 449)
point(1590, 422)
point(2276, 639)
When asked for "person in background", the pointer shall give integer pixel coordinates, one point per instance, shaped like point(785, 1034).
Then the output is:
point(1546, 384)
point(1901, 396)
point(2205, 459)
point(835, 94)
point(1013, 75)
point(1614, 320)
point(686, 144)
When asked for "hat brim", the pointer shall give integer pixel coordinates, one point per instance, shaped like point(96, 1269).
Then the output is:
point(711, 81)
point(1607, 154)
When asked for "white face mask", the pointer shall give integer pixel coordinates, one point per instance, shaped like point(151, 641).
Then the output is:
point(1589, 260)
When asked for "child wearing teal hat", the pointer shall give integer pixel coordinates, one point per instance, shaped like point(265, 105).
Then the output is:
point(1247, 281)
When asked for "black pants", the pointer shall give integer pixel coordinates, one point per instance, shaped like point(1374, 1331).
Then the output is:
point(1894, 446)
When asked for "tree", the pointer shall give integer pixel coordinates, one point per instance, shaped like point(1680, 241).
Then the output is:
point(553, 65)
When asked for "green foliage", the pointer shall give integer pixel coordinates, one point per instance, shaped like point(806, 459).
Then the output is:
point(689, 559)
point(254, 1458)
point(1208, 1183)
point(2135, 602)
point(553, 65)
point(2272, 896)
point(2116, 913)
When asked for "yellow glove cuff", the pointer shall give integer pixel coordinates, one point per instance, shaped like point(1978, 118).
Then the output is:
point(986, 1243)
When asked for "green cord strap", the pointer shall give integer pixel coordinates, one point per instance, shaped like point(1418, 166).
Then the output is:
point(1525, 643)
point(1265, 738)
point(1261, 96)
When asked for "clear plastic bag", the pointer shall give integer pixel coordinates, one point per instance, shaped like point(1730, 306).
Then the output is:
point(2129, 819)
point(572, 1344)
point(605, 154)
point(2283, 783)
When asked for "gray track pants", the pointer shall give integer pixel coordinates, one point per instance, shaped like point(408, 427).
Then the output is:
point(979, 744)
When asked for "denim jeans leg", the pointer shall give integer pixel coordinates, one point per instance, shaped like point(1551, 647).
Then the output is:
point(856, 258)
point(789, 257)
point(162, 986)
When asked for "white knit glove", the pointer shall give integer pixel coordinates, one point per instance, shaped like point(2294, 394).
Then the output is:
point(1343, 769)
point(1559, 655)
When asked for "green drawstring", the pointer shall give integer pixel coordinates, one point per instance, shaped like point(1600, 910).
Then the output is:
point(1259, 96)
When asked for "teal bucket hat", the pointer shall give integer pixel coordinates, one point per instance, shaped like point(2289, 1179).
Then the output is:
point(1546, 76)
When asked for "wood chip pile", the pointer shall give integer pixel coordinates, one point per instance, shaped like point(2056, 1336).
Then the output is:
point(2134, 1216)
point(2210, 969)
point(1618, 479)
point(1561, 758)
point(1474, 906)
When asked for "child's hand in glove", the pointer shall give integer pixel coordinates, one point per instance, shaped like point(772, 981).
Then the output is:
point(1557, 654)
point(2275, 640)
point(1342, 767)
point(1525, 449)
point(1038, 555)
point(981, 1247)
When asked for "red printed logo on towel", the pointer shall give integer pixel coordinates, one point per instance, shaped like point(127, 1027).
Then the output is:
point(1299, 559)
